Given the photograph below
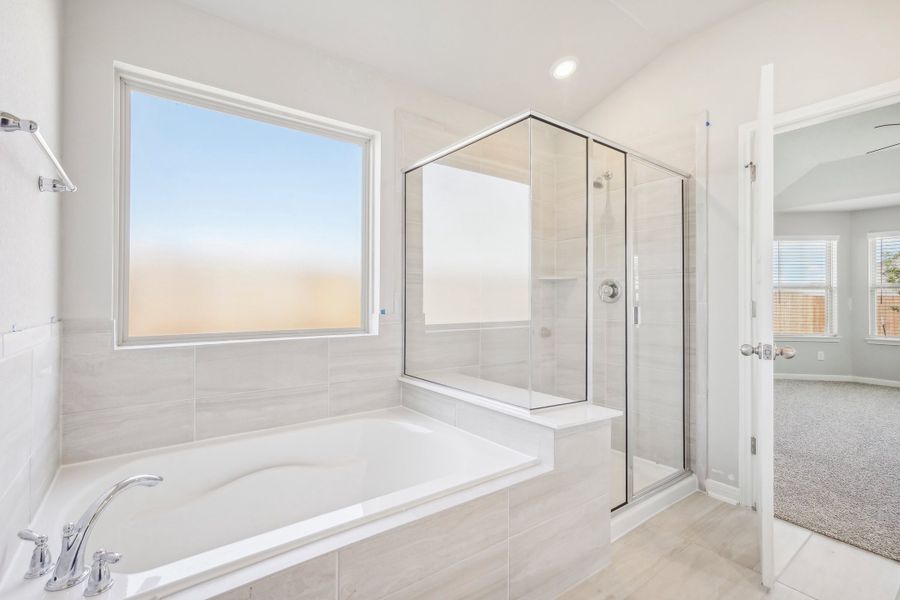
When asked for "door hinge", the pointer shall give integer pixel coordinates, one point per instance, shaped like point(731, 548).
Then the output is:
point(752, 166)
point(753, 445)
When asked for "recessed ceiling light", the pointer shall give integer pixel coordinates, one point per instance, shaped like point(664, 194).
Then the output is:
point(564, 67)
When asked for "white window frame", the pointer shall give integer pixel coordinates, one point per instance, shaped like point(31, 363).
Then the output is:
point(128, 78)
point(830, 307)
point(871, 336)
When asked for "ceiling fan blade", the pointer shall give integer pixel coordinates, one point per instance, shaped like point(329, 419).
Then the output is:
point(883, 148)
point(887, 125)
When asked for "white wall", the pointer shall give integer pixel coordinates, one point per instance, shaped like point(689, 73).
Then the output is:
point(821, 49)
point(29, 266)
point(117, 401)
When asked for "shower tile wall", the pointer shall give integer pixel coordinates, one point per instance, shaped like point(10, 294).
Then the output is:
point(559, 253)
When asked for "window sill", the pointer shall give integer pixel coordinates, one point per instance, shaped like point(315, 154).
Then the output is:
point(883, 341)
point(828, 339)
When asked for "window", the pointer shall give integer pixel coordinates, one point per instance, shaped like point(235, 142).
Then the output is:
point(884, 285)
point(239, 219)
point(804, 282)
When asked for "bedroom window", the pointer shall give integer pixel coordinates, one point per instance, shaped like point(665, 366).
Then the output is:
point(884, 285)
point(804, 282)
point(239, 219)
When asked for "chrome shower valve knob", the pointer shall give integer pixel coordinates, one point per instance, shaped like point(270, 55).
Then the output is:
point(100, 579)
point(41, 559)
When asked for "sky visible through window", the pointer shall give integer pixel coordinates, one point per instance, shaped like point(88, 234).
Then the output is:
point(240, 225)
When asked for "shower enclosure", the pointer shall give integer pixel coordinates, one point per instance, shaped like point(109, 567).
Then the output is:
point(545, 266)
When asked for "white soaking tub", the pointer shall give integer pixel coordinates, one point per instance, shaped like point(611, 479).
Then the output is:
point(227, 503)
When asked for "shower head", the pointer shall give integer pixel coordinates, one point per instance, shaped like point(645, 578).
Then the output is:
point(598, 182)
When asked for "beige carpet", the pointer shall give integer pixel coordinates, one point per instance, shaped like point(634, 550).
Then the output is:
point(837, 461)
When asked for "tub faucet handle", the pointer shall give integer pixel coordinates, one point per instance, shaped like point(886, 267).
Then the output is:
point(41, 559)
point(100, 579)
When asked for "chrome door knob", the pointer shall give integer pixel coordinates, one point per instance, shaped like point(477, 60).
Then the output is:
point(786, 352)
point(748, 350)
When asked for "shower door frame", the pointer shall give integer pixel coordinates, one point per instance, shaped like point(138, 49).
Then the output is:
point(590, 137)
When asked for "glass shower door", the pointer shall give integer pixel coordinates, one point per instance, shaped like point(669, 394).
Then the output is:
point(656, 349)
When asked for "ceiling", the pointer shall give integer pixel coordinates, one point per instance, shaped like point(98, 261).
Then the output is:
point(495, 54)
point(826, 166)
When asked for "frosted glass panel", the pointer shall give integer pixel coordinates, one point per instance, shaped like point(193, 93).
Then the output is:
point(475, 247)
point(239, 225)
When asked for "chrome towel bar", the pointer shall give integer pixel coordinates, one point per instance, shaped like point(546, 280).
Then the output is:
point(10, 122)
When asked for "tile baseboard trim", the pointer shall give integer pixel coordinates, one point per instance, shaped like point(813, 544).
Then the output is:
point(629, 517)
point(840, 378)
point(723, 491)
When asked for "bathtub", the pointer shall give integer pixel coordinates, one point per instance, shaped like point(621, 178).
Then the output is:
point(230, 502)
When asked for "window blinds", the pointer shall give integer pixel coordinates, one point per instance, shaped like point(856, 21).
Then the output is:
point(804, 282)
point(884, 285)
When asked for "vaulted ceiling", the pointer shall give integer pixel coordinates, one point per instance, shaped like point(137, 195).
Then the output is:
point(828, 166)
point(496, 54)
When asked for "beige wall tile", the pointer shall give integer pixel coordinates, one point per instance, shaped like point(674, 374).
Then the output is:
point(347, 397)
point(481, 576)
point(98, 433)
point(391, 561)
point(580, 474)
point(96, 378)
point(312, 580)
point(436, 406)
point(351, 359)
point(251, 411)
point(550, 558)
point(256, 366)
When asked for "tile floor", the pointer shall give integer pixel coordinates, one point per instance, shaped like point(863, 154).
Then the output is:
point(703, 549)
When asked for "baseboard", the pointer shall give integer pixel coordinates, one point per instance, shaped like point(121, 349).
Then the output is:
point(723, 491)
point(843, 378)
point(628, 517)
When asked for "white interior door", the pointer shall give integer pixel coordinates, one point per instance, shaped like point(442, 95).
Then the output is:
point(761, 350)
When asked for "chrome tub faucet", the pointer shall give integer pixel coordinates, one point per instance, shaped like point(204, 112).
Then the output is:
point(70, 569)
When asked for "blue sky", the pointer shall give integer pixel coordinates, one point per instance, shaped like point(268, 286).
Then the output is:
point(215, 183)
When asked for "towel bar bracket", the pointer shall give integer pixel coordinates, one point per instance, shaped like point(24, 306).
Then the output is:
point(10, 123)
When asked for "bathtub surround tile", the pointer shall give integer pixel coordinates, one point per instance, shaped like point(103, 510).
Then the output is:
point(311, 580)
point(580, 475)
point(481, 576)
point(257, 366)
point(553, 556)
point(45, 385)
point(231, 387)
point(26, 339)
point(433, 404)
point(97, 433)
point(251, 411)
point(389, 562)
point(347, 397)
point(97, 379)
point(366, 357)
point(506, 430)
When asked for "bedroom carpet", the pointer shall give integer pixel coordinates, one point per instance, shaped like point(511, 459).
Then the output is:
point(837, 461)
